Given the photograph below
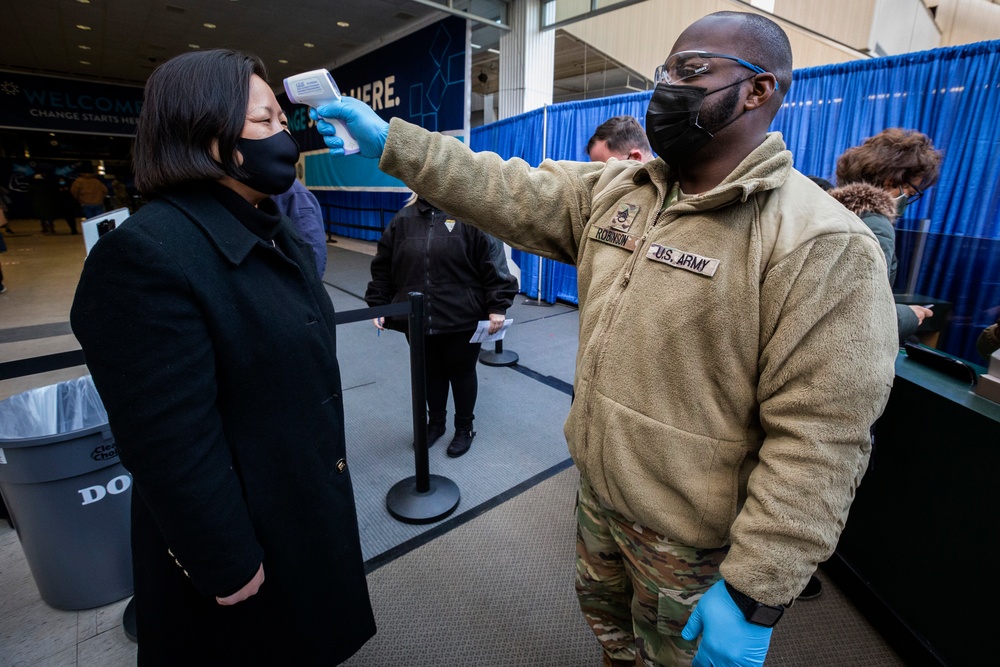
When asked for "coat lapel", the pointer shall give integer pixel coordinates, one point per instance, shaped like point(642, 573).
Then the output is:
point(230, 237)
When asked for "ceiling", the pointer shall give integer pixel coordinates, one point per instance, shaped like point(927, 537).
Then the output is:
point(126, 40)
point(580, 72)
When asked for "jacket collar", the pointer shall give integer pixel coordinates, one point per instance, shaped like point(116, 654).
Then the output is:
point(766, 168)
point(230, 237)
point(424, 206)
point(859, 198)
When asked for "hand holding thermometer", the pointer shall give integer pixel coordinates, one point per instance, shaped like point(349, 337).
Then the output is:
point(316, 88)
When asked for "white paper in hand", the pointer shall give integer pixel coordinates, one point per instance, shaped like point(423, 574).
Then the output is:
point(483, 334)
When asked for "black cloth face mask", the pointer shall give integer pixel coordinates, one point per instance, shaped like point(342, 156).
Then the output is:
point(269, 163)
point(672, 120)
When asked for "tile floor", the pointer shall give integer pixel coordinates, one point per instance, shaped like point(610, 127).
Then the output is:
point(33, 633)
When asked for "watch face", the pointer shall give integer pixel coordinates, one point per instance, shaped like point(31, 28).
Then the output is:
point(766, 616)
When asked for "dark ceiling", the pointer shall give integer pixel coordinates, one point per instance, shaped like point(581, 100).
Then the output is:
point(125, 40)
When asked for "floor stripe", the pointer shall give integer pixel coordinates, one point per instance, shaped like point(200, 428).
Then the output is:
point(392, 554)
point(359, 297)
point(547, 380)
point(33, 332)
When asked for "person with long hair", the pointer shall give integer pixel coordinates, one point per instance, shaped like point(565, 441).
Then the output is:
point(212, 344)
point(876, 181)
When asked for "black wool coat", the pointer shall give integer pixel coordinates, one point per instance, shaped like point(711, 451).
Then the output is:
point(215, 356)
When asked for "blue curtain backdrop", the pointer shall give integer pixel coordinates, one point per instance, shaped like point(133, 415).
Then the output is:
point(952, 94)
point(359, 215)
point(569, 126)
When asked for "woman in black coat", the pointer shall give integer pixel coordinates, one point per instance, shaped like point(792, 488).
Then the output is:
point(463, 274)
point(212, 343)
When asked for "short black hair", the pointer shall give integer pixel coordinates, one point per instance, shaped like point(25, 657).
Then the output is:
point(622, 134)
point(765, 44)
point(190, 101)
point(821, 182)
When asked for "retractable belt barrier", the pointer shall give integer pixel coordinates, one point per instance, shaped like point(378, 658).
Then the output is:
point(423, 498)
point(50, 362)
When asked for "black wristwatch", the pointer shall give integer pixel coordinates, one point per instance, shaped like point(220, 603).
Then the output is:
point(756, 612)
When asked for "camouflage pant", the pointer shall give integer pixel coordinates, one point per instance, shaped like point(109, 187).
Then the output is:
point(637, 588)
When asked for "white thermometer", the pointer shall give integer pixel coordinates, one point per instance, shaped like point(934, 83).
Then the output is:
point(315, 89)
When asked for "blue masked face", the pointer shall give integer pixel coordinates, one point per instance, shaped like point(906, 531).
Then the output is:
point(901, 202)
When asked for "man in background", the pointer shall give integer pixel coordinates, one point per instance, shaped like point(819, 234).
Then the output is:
point(89, 191)
point(620, 137)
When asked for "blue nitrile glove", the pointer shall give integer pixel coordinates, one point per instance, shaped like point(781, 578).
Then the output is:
point(729, 639)
point(366, 126)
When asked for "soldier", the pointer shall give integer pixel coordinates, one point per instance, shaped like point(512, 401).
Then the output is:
point(734, 351)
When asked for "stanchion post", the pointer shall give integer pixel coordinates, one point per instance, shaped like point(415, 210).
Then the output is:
point(539, 301)
point(424, 498)
point(418, 382)
point(498, 357)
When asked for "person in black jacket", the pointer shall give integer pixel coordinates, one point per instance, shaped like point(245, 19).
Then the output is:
point(212, 344)
point(876, 181)
point(44, 195)
point(464, 276)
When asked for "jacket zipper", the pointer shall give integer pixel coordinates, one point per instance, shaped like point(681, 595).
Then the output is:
point(614, 313)
point(638, 249)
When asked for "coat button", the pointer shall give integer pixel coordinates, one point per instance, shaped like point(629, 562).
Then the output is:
point(341, 465)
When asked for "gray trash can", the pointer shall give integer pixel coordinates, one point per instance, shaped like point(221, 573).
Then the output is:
point(67, 493)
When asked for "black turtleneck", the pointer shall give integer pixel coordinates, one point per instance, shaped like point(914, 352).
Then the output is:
point(261, 220)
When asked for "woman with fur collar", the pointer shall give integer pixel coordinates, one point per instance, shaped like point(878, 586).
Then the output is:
point(876, 181)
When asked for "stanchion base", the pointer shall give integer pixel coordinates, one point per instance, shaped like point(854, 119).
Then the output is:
point(536, 302)
point(408, 505)
point(128, 620)
point(491, 358)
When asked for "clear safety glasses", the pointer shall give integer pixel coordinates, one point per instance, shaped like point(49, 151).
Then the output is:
point(686, 64)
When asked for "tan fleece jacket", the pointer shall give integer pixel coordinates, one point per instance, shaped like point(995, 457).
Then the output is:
point(724, 409)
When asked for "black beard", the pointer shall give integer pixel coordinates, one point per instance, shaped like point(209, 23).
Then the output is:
point(714, 117)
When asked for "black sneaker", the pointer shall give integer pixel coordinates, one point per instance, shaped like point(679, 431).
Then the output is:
point(460, 443)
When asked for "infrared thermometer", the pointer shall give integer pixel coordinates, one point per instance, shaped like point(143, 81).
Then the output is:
point(315, 89)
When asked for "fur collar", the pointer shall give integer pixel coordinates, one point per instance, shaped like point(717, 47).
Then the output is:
point(864, 198)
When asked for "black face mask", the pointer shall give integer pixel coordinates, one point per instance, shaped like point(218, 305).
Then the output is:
point(672, 121)
point(269, 163)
